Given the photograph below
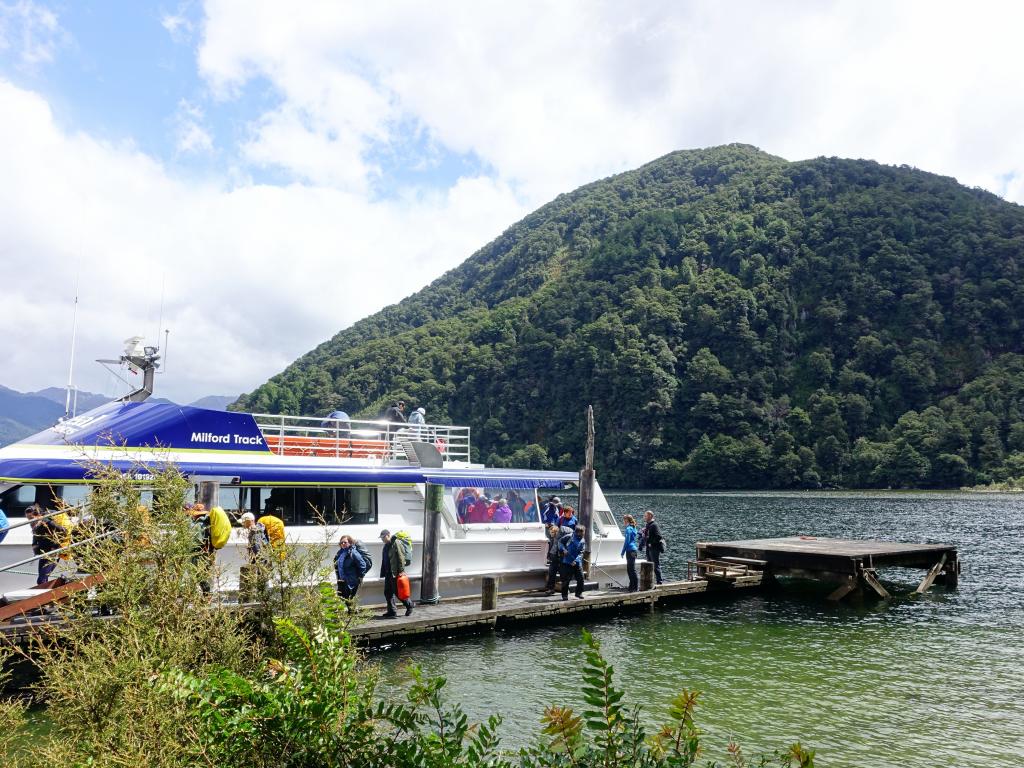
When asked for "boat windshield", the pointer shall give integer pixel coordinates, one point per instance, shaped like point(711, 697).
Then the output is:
point(488, 506)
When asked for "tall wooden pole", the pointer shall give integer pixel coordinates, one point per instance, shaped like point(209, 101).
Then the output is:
point(433, 500)
point(587, 491)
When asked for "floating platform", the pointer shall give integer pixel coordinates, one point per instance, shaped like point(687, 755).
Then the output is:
point(853, 563)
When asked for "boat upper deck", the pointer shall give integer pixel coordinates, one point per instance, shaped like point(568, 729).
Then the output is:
point(360, 439)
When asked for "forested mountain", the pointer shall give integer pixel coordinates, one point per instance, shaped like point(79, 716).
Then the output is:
point(736, 320)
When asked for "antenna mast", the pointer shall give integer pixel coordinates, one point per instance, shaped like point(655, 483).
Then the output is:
point(71, 365)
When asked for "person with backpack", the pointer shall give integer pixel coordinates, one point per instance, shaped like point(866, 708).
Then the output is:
point(392, 565)
point(555, 534)
point(552, 511)
point(653, 544)
point(629, 550)
point(259, 541)
point(275, 533)
point(46, 537)
point(350, 566)
point(571, 550)
point(203, 553)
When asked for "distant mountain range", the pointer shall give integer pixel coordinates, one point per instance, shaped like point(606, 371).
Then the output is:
point(25, 413)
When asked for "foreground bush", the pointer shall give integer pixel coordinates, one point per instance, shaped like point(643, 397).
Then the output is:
point(317, 707)
point(152, 672)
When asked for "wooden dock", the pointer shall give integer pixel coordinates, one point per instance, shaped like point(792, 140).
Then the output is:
point(852, 563)
point(466, 616)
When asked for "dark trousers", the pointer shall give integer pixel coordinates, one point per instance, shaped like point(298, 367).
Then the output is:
point(568, 571)
point(654, 555)
point(45, 569)
point(347, 593)
point(634, 581)
point(390, 590)
point(552, 574)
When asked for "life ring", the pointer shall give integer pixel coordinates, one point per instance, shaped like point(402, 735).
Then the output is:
point(441, 445)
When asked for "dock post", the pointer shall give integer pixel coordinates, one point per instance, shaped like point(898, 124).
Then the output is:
point(587, 493)
point(489, 593)
point(952, 571)
point(208, 493)
point(433, 501)
point(646, 576)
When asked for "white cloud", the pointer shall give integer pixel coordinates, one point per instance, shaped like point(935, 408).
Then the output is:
point(255, 275)
point(192, 137)
point(547, 96)
point(178, 26)
point(29, 30)
point(555, 95)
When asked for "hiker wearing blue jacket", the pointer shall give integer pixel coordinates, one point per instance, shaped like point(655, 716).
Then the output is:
point(350, 567)
point(571, 549)
point(629, 550)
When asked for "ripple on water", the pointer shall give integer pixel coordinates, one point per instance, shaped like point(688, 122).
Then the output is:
point(934, 680)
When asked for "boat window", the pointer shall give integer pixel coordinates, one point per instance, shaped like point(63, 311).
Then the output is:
point(15, 501)
point(316, 506)
point(489, 506)
point(74, 495)
point(232, 498)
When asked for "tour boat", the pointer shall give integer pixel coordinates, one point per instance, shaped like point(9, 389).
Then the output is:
point(323, 477)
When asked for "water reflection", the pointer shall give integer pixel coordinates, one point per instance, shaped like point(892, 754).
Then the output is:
point(932, 680)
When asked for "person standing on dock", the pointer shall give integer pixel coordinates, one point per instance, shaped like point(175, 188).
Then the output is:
point(203, 553)
point(629, 550)
point(392, 563)
point(555, 534)
point(653, 543)
point(572, 561)
point(258, 539)
point(552, 511)
point(350, 567)
point(46, 537)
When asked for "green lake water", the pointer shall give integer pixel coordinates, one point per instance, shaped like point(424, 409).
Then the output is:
point(931, 681)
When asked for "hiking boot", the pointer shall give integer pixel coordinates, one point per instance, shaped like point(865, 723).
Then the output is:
point(388, 615)
point(408, 610)
point(579, 597)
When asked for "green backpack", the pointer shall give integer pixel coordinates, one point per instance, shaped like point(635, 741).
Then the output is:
point(404, 542)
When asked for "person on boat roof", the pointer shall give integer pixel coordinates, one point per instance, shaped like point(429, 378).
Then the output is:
point(396, 413)
point(336, 420)
point(419, 416)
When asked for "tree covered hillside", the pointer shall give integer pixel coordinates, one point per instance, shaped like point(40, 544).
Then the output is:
point(736, 320)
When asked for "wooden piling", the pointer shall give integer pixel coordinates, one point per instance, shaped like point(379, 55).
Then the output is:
point(208, 493)
point(587, 478)
point(489, 593)
point(646, 575)
point(433, 502)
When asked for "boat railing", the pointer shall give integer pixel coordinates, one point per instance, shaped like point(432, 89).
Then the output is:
point(358, 438)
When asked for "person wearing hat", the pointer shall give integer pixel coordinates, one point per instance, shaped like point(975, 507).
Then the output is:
point(258, 537)
point(418, 418)
point(391, 565)
point(552, 511)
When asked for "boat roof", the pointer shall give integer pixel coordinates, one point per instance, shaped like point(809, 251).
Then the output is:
point(140, 437)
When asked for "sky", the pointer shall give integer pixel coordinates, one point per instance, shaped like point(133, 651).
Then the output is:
point(253, 177)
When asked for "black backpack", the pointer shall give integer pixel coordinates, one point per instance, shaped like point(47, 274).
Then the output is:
point(367, 560)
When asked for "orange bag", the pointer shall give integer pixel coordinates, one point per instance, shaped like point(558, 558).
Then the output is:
point(402, 587)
